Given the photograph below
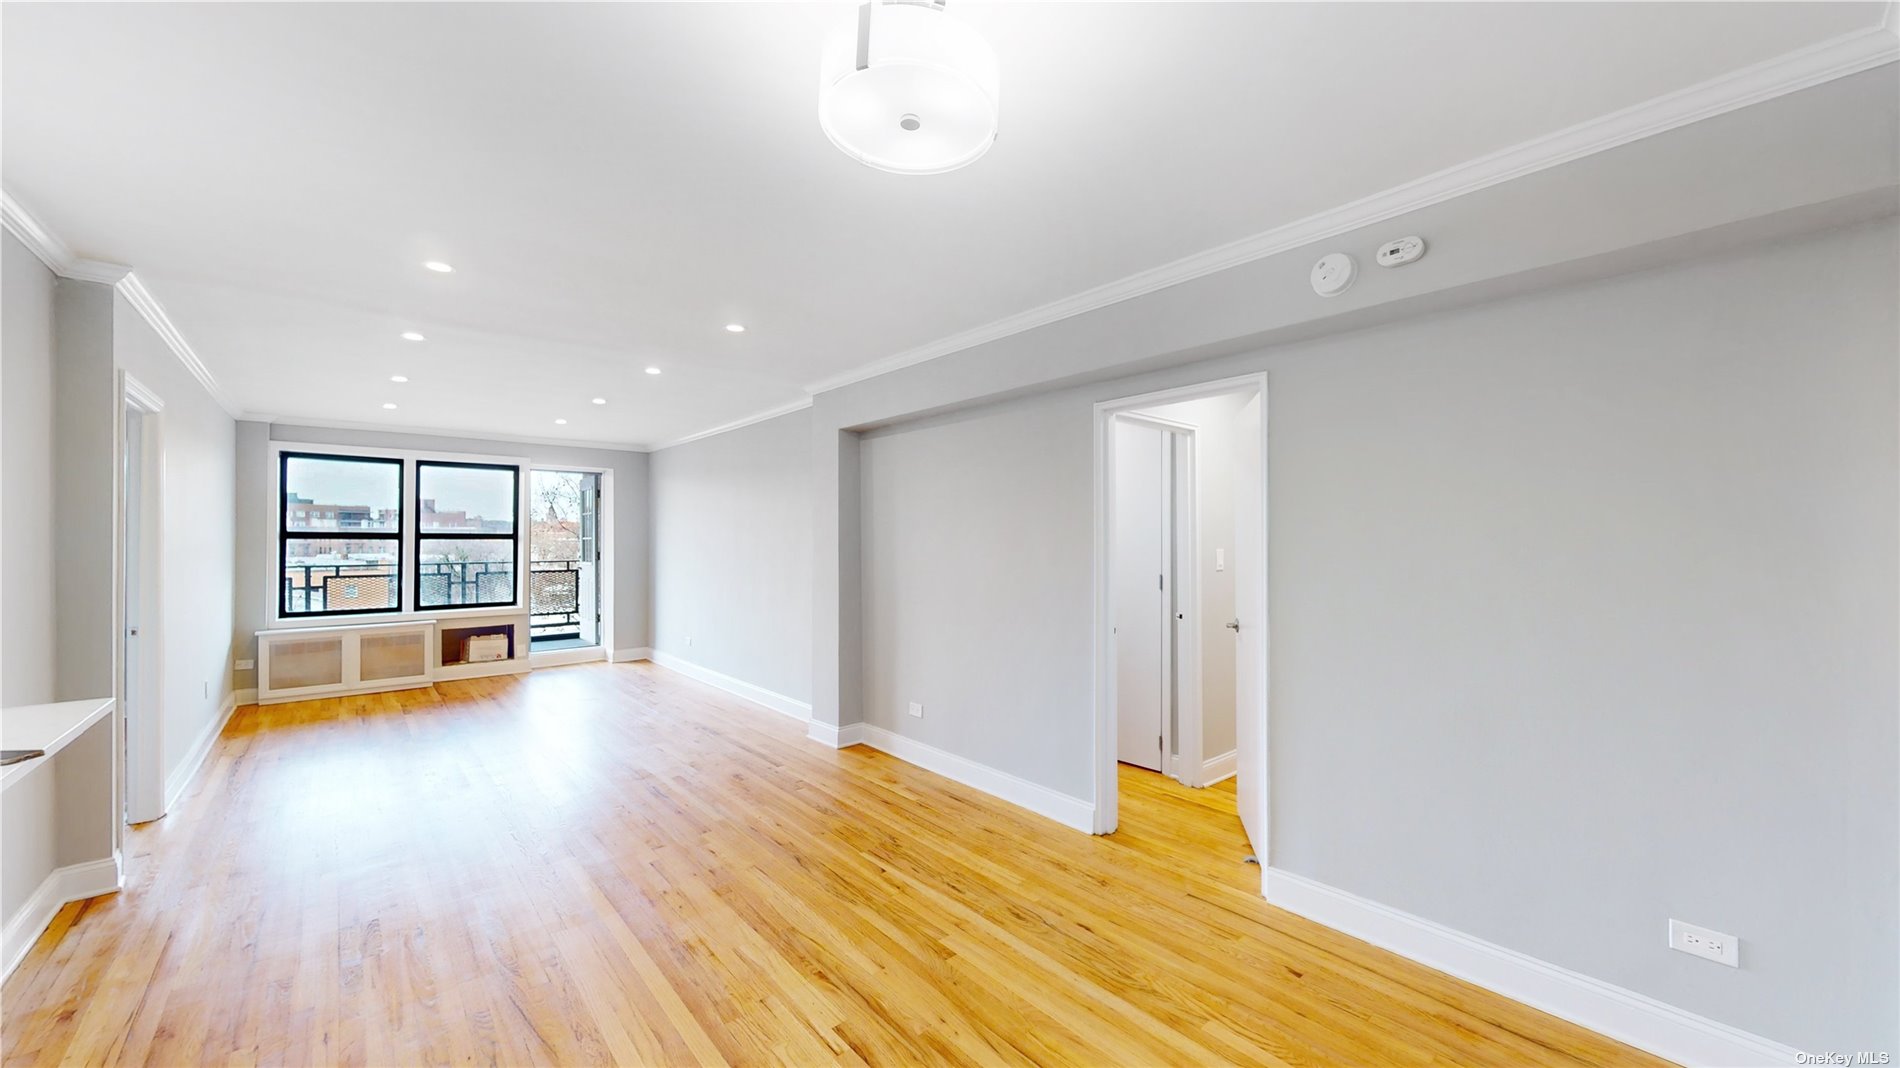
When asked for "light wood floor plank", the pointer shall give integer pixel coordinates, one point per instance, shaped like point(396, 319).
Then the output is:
point(613, 864)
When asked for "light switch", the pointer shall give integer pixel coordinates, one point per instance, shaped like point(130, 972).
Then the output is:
point(1220, 559)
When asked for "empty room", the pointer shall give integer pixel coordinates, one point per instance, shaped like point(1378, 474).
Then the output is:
point(920, 533)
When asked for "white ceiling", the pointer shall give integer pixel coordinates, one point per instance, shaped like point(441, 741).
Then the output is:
point(614, 183)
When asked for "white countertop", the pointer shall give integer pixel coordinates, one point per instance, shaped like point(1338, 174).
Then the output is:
point(49, 727)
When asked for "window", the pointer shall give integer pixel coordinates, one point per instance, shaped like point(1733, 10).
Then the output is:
point(339, 535)
point(465, 534)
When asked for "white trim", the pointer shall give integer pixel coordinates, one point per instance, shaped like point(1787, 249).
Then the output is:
point(1218, 769)
point(245, 696)
point(564, 657)
point(141, 722)
point(1106, 804)
point(317, 423)
point(180, 779)
point(54, 253)
point(777, 702)
point(836, 737)
point(622, 656)
point(1069, 811)
point(757, 417)
point(60, 259)
point(1824, 61)
point(148, 307)
point(481, 669)
point(75, 882)
point(1621, 1014)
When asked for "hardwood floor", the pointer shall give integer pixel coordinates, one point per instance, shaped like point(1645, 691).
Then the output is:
point(616, 864)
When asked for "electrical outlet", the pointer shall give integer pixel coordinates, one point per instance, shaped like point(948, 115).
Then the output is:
point(917, 709)
point(246, 665)
point(1702, 942)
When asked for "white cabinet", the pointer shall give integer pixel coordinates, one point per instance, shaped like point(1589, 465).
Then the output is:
point(323, 661)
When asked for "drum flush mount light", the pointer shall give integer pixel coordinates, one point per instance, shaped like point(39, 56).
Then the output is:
point(906, 88)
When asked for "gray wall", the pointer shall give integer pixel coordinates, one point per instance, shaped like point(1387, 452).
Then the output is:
point(85, 411)
point(256, 544)
point(200, 503)
point(732, 553)
point(26, 506)
point(1583, 618)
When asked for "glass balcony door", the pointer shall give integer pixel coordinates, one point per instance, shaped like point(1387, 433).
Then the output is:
point(564, 559)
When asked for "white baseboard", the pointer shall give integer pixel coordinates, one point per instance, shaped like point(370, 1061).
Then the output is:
point(246, 696)
point(1218, 768)
point(836, 737)
point(1624, 1015)
point(180, 779)
point(564, 657)
point(777, 702)
point(622, 656)
point(1069, 811)
point(75, 882)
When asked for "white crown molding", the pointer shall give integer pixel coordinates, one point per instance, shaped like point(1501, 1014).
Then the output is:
point(437, 432)
point(154, 315)
point(54, 253)
point(59, 258)
point(1824, 61)
point(757, 417)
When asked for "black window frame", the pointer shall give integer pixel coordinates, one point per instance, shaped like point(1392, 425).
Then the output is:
point(285, 534)
point(514, 537)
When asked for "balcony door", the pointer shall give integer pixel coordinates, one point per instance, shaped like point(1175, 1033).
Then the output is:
point(564, 553)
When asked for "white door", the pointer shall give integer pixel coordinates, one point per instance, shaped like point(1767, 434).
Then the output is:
point(132, 710)
point(589, 579)
point(1141, 639)
point(1250, 610)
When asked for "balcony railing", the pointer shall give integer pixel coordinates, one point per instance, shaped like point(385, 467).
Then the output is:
point(354, 586)
point(554, 598)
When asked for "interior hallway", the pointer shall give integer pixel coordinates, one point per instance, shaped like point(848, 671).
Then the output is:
point(613, 863)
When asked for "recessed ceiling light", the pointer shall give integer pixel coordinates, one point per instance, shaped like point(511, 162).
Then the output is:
point(735, 328)
point(438, 266)
point(391, 407)
point(560, 422)
point(411, 335)
point(653, 370)
point(399, 378)
point(600, 400)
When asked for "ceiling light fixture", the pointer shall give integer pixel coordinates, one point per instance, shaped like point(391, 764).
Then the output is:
point(411, 335)
point(390, 407)
point(560, 422)
point(600, 400)
point(439, 267)
point(735, 328)
point(906, 88)
point(399, 378)
point(653, 370)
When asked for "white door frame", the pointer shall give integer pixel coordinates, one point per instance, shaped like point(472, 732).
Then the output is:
point(1105, 775)
point(1181, 549)
point(140, 715)
point(603, 538)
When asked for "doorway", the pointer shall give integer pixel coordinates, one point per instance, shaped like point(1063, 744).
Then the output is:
point(1181, 628)
point(139, 679)
point(1156, 593)
point(566, 561)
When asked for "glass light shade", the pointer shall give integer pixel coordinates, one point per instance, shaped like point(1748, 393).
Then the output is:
point(925, 103)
